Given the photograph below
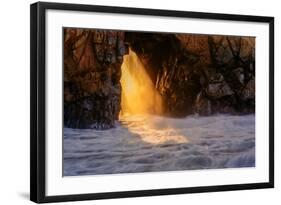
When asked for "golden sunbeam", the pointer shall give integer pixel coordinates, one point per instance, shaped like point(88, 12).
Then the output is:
point(140, 99)
point(139, 95)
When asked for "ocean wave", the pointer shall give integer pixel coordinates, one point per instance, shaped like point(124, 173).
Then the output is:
point(152, 143)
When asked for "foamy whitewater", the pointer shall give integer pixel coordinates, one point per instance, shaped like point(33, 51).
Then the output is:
point(154, 143)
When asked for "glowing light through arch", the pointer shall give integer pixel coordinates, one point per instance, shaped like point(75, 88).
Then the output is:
point(139, 95)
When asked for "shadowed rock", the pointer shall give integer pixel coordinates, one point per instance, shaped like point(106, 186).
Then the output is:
point(202, 74)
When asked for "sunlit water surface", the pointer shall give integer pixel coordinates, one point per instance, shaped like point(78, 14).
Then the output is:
point(152, 143)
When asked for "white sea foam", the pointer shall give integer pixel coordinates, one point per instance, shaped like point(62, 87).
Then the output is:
point(154, 143)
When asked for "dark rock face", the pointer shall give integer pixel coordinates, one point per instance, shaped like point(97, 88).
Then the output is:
point(92, 91)
point(202, 74)
point(199, 73)
point(234, 59)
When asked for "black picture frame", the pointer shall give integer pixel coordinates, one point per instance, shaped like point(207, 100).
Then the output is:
point(38, 101)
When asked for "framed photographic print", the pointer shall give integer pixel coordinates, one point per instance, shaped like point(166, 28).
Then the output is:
point(129, 102)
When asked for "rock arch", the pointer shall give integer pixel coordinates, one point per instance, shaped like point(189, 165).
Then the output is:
point(193, 73)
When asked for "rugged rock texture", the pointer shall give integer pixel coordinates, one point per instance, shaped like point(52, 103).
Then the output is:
point(199, 73)
point(202, 74)
point(92, 91)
